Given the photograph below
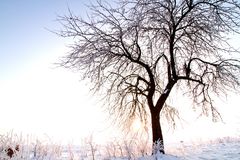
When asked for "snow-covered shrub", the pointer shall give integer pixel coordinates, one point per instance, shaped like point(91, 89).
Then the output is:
point(15, 147)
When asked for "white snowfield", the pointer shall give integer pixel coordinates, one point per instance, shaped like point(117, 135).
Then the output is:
point(216, 151)
point(221, 150)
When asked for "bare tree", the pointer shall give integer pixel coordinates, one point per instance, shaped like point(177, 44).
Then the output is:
point(136, 52)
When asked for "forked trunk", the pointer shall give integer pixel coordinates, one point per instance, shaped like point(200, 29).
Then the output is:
point(157, 135)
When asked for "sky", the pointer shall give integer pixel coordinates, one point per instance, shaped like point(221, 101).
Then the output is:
point(36, 96)
point(39, 98)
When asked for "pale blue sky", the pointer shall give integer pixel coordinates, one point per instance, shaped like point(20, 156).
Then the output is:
point(24, 35)
point(35, 97)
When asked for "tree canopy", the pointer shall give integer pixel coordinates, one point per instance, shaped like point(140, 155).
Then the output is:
point(137, 51)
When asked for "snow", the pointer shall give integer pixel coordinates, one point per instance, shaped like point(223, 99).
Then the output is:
point(166, 91)
point(221, 149)
point(159, 156)
point(225, 151)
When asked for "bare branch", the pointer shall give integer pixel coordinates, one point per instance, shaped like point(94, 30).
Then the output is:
point(136, 52)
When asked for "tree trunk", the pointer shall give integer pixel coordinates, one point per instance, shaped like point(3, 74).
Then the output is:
point(157, 135)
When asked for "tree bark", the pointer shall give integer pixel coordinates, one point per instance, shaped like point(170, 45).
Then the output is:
point(157, 135)
point(158, 143)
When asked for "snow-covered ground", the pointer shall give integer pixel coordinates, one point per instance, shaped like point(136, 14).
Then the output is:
point(222, 149)
point(210, 151)
point(215, 151)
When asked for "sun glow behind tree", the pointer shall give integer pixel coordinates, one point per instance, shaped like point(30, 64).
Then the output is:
point(139, 52)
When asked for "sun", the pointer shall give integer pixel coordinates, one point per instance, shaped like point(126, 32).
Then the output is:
point(137, 125)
